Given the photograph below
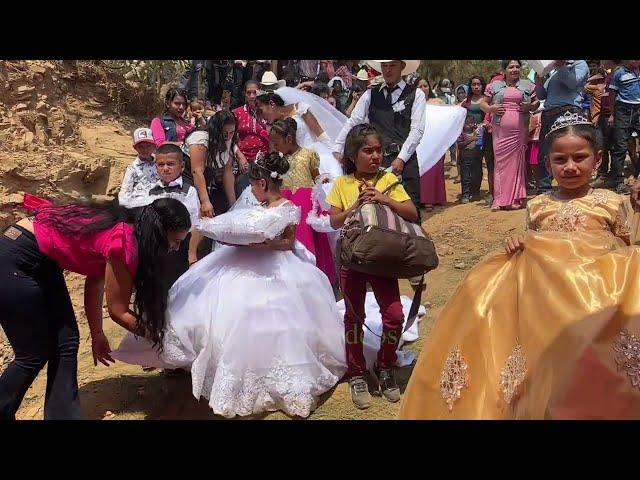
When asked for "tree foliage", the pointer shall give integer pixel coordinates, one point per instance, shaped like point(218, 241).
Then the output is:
point(458, 71)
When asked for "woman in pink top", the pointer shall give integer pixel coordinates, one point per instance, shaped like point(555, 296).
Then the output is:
point(510, 102)
point(116, 249)
point(172, 126)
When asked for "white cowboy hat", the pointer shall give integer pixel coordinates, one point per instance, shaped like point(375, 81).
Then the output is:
point(410, 66)
point(270, 82)
point(362, 75)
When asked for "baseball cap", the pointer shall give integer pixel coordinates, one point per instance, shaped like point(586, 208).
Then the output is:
point(141, 135)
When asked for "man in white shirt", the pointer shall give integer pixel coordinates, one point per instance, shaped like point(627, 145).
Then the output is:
point(397, 111)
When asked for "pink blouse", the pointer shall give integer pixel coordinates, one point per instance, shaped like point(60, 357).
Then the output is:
point(183, 128)
point(88, 255)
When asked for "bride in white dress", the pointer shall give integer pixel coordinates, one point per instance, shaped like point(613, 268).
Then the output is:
point(256, 325)
point(318, 123)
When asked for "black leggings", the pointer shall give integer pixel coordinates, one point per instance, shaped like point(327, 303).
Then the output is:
point(37, 317)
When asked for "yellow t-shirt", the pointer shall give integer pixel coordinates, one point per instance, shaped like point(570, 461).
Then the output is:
point(347, 189)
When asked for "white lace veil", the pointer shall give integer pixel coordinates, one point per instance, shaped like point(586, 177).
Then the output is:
point(330, 119)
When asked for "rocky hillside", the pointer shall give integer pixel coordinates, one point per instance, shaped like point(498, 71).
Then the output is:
point(60, 137)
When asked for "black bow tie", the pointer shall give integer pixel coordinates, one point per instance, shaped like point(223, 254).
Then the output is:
point(390, 90)
point(158, 190)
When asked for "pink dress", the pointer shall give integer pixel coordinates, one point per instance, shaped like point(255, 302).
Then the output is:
point(510, 146)
point(432, 187)
point(317, 243)
point(534, 143)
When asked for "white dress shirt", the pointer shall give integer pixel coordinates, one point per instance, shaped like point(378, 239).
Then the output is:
point(190, 199)
point(360, 115)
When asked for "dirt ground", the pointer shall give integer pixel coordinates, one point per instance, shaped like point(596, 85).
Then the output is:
point(58, 140)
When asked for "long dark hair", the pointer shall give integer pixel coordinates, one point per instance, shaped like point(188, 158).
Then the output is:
point(356, 137)
point(482, 82)
point(171, 95)
point(151, 225)
point(432, 94)
point(217, 146)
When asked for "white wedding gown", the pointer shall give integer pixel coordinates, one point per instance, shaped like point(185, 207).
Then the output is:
point(258, 329)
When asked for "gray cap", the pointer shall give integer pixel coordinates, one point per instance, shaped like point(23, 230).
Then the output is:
point(445, 85)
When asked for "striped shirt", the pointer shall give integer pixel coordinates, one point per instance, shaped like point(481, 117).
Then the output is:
point(627, 84)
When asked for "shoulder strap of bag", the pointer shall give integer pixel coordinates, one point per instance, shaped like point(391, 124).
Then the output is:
point(397, 182)
point(411, 317)
point(415, 306)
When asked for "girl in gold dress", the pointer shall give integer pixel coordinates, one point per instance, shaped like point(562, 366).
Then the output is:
point(550, 329)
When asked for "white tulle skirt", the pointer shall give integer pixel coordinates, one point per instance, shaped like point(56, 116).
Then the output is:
point(260, 331)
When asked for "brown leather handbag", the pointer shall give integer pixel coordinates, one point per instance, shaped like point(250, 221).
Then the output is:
point(377, 241)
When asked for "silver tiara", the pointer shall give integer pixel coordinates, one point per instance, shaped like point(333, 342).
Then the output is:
point(567, 120)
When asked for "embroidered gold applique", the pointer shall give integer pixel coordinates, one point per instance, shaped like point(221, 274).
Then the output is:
point(568, 219)
point(620, 227)
point(545, 199)
point(627, 357)
point(454, 377)
point(599, 198)
point(513, 373)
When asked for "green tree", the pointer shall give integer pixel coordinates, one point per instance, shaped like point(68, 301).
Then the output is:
point(458, 71)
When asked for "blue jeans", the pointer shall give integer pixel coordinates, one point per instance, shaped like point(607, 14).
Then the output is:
point(627, 120)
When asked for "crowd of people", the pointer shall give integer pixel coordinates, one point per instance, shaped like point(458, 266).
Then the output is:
point(273, 323)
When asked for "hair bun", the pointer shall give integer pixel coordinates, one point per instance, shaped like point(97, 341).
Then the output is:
point(276, 162)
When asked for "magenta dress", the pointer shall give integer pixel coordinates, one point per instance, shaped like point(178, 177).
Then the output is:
point(510, 140)
point(317, 243)
point(432, 187)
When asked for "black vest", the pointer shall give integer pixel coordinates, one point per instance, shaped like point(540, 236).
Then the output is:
point(184, 189)
point(394, 127)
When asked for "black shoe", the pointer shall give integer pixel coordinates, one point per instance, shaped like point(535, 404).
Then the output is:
point(464, 199)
